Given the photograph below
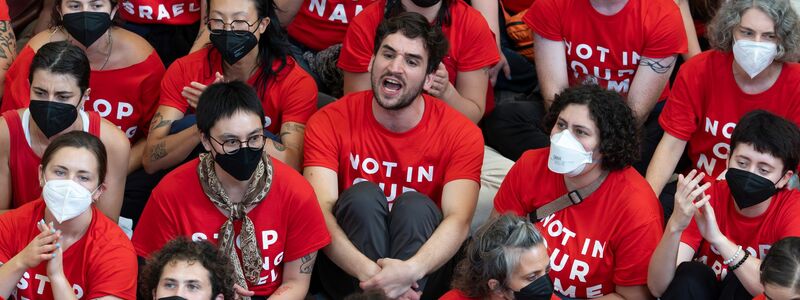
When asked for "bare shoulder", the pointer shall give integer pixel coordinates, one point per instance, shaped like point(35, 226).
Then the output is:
point(136, 48)
point(112, 137)
point(44, 37)
point(5, 139)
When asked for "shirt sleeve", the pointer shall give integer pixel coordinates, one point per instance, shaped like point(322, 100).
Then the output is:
point(4, 16)
point(679, 117)
point(321, 145)
point(299, 96)
point(508, 198)
point(358, 43)
point(544, 19)
point(172, 85)
point(151, 90)
point(467, 154)
point(666, 34)
point(113, 273)
point(16, 87)
point(156, 225)
point(307, 231)
point(635, 246)
point(7, 248)
point(476, 32)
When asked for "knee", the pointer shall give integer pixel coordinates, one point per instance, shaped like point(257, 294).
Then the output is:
point(360, 199)
point(415, 205)
point(692, 280)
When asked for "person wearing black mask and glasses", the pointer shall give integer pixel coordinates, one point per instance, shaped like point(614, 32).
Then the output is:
point(719, 232)
point(506, 259)
point(59, 79)
point(262, 214)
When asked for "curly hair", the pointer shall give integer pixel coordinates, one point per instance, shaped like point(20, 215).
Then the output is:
point(619, 136)
point(787, 29)
point(182, 249)
point(493, 253)
point(413, 25)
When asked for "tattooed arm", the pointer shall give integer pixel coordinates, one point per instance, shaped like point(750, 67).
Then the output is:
point(162, 150)
point(648, 83)
point(8, 50)
point(290, 149)
point(296, 278)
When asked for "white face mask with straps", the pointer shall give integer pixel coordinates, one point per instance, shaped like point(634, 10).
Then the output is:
point(567, 155)
point(754, 57)
point(66, 199)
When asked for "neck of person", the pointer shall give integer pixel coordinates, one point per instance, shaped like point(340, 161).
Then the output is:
point(400, 120)
point(582, 180)
point(100, 47)
point(72, 229)
point(762, 82)
point(608, 7)
point(243, 69)
point(232, 186)
point(755, 210)
point(430, 13)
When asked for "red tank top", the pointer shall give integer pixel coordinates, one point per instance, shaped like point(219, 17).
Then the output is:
point(23, 163)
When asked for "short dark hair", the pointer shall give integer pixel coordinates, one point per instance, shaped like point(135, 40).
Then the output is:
point(80, 140)
point(413, 25)
point(781, 266)
point(222, 100)
point(181, 249)
point(62, 58)
point(770, 134)
point(619, 135)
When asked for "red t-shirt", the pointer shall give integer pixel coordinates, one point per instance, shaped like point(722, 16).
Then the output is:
point(4, 16)
point(291, 96)
point(760, 297)
point(127, 97)
point(515, 6)
point(455, 294)
point(170, 12)
point(320, 24)
point(608, 48)
point(288, 222)
point(23, 163)
point(102, 263)
point(345, 137)
point(467, 29)
point(622, 216)
point(755, 235)
point(706, 103)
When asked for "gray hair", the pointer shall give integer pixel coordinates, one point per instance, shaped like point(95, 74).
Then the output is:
point(493, 253)
point(787, 29)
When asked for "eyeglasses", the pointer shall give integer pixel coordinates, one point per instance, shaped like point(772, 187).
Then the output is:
point(231, 146)
point(216, 26)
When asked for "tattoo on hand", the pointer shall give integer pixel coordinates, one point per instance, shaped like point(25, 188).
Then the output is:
point(159, 151)
point(307, 264)
point(158, 122)
point(660, 66)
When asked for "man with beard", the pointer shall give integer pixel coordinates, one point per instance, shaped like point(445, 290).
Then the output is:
point(396, 172)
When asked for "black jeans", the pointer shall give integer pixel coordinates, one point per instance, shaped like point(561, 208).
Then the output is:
point(695, 280)
point(170, 41)
point(363, 213)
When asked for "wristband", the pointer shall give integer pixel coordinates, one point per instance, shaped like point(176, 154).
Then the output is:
point(739, 264)
point(734, 257)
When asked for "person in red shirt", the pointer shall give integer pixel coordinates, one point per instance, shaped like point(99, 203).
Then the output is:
point(716, 88)
point(779, 270)
point(60, 246)
point(599, 246)
point(194, 270)
point(461, 79)
point(506, 259)
point(261, 213)
point(626, 46)
point(246, 46)
point(719, 231)
point(396, 171)
point(59, 77)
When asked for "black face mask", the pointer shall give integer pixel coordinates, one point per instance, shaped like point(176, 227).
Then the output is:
point(233, 45)
point(86, 26)
point(425, 3)
point(52, 117)
point(748, 189)
point(241, 164)
point(539, 289)
point(172, 298)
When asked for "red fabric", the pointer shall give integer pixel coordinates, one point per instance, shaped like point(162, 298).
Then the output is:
point(455, 294)
point(4, 16)
point(608, 48)
point(320, 24)
point(760, 297)
point(515, 6)
point(706, 103)
point(755, 235)
point(102, 263)
point(467, 29)
point(171, 12)
point(23, 163)
point(126, 97)
point(288, 223)
point(291, 96)
point(345, 137)
point(606, 240)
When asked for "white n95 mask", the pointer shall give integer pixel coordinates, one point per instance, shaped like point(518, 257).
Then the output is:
point(66, 199)
point(754, 57)
point(567, 155)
